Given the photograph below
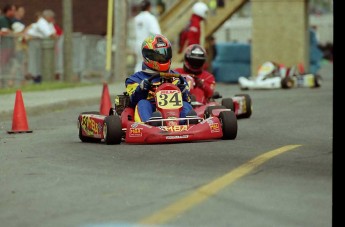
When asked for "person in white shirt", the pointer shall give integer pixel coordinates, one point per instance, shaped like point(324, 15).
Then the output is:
point(43, 28)
point(145, 24)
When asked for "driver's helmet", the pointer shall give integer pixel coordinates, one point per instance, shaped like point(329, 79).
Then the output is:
point(194, 58)
point(157, 53)
point(200, 9)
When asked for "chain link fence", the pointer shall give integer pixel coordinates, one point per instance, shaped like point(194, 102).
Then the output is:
point(20, 60)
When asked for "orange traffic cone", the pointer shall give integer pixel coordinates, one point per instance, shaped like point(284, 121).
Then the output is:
point(19, 121)
point(105, 100)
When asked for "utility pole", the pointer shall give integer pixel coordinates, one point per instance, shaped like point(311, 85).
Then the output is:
point(120, 29)
point(68, 41)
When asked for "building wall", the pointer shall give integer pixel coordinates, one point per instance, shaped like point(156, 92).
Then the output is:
point(89, 16)
point(280, 32)
point(240, 29)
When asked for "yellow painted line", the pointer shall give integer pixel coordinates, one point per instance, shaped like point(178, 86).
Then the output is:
point(206, 191)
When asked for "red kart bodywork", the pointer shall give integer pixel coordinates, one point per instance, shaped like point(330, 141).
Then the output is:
point(240, 103)
point(220, 124)
point(142, 133)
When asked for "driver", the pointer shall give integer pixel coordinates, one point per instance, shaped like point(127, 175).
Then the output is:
point(194, 59)
point(156, 52)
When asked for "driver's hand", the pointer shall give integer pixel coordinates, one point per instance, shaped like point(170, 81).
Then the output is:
point(182, 86)
point(199, 82)
point(145, 85)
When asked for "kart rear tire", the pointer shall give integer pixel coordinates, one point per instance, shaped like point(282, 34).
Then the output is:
point(228, 122)
point(208, 110)
point(228, 103)
point(112, 130)
point(249, 109)
point(91, 112)
point(87, 139)
point(287, 83)
point(318, 80)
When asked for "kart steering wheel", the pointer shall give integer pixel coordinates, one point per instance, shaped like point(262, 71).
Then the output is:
point(166, 76)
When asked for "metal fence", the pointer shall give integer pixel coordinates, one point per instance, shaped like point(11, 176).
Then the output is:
point(21, 60)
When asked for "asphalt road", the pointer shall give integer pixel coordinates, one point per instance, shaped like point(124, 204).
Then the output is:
point(277, 172)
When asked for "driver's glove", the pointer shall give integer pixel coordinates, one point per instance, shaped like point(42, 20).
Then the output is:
point(145, 85)
point(199, 83)
point(183, 87)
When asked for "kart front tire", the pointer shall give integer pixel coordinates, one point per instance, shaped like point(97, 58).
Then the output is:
point(112, 130)
point(228, 122)
point(208, 110)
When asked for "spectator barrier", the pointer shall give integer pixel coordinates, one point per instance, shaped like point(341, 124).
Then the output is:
point(19, 60)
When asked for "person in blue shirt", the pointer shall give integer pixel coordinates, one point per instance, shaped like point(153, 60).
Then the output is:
point(156, 53)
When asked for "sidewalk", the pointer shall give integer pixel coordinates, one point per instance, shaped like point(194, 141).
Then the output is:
point(39, 102)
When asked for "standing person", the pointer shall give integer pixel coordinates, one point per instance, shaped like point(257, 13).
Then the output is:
point(6, 19)
point(7, 44)
point(156, 57)
point(194, 59)
point(42, 29)
point(20, 13)
point(58, 51)
point(145, 24)
point(193, 34)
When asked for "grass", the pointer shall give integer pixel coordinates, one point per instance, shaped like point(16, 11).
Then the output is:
point(42, 87)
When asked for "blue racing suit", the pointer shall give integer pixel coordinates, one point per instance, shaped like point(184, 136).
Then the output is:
point(144, 101)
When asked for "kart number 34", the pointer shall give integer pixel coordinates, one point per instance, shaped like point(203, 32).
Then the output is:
point(169, 99)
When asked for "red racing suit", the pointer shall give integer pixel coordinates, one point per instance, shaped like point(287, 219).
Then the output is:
point(191, 34)
point(194, 30)
point(204, 86)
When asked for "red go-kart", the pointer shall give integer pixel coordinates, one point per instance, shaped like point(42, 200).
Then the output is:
point(241, 104)
point(164, 127)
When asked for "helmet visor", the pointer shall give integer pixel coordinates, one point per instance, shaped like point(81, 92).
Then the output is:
point(196, 63)
point(160, 55)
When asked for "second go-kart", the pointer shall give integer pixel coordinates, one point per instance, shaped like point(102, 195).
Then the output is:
point(273, 76)
point(241, 104)
point(164, 127)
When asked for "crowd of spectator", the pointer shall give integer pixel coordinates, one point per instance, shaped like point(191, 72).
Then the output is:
point(17, 37)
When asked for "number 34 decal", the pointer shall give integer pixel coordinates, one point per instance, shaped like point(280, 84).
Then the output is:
point(169, 99)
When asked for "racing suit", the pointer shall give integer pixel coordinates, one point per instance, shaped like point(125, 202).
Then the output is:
point(144, 101)
point(204, 85)
point(194, 31)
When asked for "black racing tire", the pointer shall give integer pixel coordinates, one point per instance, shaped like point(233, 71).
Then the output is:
point(208, 110)
point(249, 108)
point(112, 130)
point(287, 83)
point(318, 80)
point(228, 122)
point(90, 112)
point(228, 103)
point(87, 139)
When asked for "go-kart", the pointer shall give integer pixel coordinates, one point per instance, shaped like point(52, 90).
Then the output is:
point(272, 76)
point(164, 127)
point(241, 104)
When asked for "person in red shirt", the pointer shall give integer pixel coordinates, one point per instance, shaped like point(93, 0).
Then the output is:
point(194, 59)
point(192, 33)
point(58, 29)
